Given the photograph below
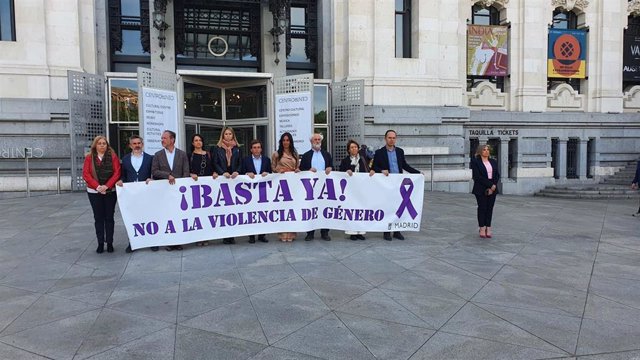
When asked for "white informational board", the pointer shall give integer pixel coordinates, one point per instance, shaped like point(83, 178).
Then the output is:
point(294, 114)
point(159, 113)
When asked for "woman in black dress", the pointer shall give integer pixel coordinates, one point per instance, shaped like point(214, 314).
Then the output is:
point(200, 164)
point(227, 160)
point(354, 162)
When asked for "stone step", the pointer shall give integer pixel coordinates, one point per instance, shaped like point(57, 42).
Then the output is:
point(591, 192)
point(586, 196)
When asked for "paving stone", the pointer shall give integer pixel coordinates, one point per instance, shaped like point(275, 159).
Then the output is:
point(372, 266)
point(336, 293)
point(160, 304)
point(274, 353)
point(624, 291)
point(328, 338)
point(450, 346)
point(330, 270)
point(454, 279)
point(623, 355)
point(473, 321)
point(36, 274)
point(59, 339)
point(194, 344)
point(259, 278)
point(237, 320)
point(435, 311)
point(600, 336)
point(377, 305)
point(13, 303)
point(158, 346)
point(386, 340)
point(10, 352)
point(203, 297)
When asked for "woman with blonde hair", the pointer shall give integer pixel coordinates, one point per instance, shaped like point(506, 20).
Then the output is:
point(101, 171)
point(485, 187)
point(227, 160)
point(282, 161)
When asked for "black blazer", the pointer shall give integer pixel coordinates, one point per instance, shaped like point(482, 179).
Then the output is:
point(481, 180)
point(247, 165)
point(129, 174)
point(381, 161)
point(219, 157)
point(305, 162)
point(345, 165)
point(637, 177)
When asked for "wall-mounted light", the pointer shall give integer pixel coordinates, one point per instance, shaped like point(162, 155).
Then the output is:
point(159, 23)
point(280, 23)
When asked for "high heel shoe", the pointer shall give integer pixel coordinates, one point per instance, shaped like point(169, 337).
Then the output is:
point(482, 233)
point(488, 233)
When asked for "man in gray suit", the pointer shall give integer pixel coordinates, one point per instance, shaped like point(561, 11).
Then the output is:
point(170, 163)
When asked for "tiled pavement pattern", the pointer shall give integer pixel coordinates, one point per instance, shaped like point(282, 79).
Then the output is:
point(560, 279)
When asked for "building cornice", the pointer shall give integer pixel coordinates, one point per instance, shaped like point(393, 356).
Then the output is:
point(487, 3)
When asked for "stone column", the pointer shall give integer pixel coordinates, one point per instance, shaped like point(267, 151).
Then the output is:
point(504, 158)
point(169, 50)
point(561, 162)
point(582, 159)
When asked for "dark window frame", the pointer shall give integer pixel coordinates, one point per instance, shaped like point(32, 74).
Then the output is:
point(12, 17)
point(633, 28)
point(119, 23)
point(308, 32)
point(494, 19)
point(405, 15)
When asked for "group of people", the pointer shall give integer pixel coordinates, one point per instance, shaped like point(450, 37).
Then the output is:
point(103, 171)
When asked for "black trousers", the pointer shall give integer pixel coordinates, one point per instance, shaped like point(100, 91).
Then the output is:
point(103, 207)
point(322, 232)
point(485, 209)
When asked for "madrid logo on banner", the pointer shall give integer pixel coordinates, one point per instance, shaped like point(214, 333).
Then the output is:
point(157, 213)
point(567, 54)
point(487, 53)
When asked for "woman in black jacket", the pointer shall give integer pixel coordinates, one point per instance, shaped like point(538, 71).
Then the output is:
point(485, 187)
point(227, 160)
point(354, 162)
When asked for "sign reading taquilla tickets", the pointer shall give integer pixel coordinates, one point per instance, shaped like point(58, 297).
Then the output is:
point(157, 213)
point(567, 54)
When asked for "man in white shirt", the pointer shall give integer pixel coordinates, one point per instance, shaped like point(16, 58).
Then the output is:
point(314, 160)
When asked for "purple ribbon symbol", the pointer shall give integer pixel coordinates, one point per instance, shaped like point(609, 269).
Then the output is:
point(406, 188)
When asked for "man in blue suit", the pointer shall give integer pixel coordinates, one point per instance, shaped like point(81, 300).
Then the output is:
point(256, 163)
point(389, 159)
point(136, 166)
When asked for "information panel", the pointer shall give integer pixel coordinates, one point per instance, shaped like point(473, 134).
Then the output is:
point(159, 113)
point(294, 115)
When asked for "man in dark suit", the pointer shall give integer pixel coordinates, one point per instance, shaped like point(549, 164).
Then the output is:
point(634, 184)
point(170, 163)
point(313, 160)
point(136, 166)
point(389, 159)
point(256, 163)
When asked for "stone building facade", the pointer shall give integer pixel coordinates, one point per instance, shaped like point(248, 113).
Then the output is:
point(411, 54)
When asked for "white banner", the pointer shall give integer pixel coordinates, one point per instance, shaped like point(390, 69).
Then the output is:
point(158, 214)
point(294, 115)
point(159, 113)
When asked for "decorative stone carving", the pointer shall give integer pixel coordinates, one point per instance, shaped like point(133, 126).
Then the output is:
point(632, 98)
point(486, 95)
point(634, 8)
point(487, 3)
point(570, 4)
point(564, 97)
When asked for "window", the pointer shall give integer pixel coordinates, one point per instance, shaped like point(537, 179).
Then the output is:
point(403, 28)
point(487, 16)
point(302, 37)
point(7, 21)
point(631, 54)
point(568, 20)
point(126, 29)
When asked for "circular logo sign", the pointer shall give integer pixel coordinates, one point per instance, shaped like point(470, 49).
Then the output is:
point(220, 50)
point(566, 51)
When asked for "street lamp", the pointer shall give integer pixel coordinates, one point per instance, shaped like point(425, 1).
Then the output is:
point(280, 23)
point(159, 16)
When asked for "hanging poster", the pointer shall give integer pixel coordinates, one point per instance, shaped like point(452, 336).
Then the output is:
point(631, 58)
point(567, 54)
point(294, 114)
point(487, 53)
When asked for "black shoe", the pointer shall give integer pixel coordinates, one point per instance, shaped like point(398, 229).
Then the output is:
point(155, 248)
point(361, 237)
point(353, 237)
point(128, 250)
point(177, 247)
point(387, 236)
point(398, 235)
point(109, 248)
point(325, 237)
point(636, 214)
point(169, 248)
point(100, 249)
point(263, 238)
point(309, 237)
point(229, 241)
point(252, 239)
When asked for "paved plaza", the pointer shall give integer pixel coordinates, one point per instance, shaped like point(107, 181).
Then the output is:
point(560, 279)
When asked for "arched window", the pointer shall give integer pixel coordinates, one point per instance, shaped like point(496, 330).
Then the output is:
point(567, 20)
point(481, 15)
